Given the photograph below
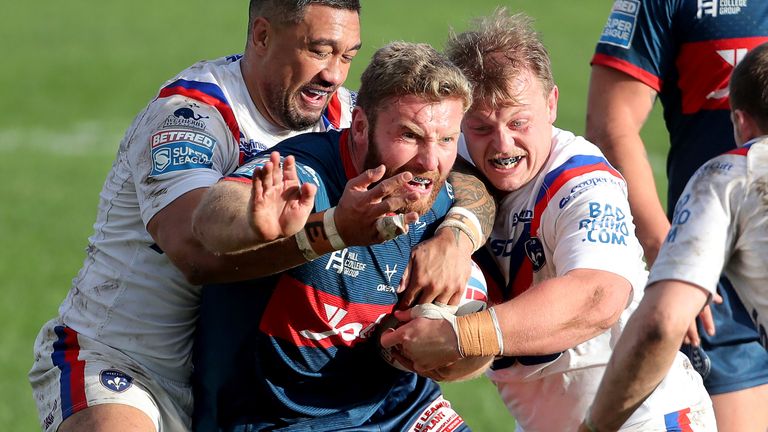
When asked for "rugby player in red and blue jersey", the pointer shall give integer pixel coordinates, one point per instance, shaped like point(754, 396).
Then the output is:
point(295, 351)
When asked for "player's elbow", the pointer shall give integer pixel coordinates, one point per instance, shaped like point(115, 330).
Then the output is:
point(606, 304)
point(202, 231)
point(595, 129)
point(214, 232)
point(194, 276)
point(660, 325)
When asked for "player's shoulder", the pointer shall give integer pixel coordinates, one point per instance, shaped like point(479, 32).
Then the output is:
point(752, 158)
point(311, 148)
point(196, 97)
point(347, 97)
point(573, 156)
point(317, 155)
point(576, 168)
point(734, 162)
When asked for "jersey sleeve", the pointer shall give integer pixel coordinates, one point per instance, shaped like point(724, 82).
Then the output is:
point(178, 145)
point(588, 225)
point(704, 225)
point(637, 39)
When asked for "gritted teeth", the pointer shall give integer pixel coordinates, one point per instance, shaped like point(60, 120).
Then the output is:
point(317, 92)
point(506, 162)
point(420, 181)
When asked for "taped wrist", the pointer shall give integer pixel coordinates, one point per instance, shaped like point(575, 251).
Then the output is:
point(466, 222)
point(319, 235)
point(479, 334)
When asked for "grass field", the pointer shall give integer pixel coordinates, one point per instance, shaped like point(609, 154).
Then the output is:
point(75, 74)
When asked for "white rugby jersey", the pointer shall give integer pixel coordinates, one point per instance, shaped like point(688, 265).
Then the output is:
point(721, 223)
point(574, 215)
point(199, 127)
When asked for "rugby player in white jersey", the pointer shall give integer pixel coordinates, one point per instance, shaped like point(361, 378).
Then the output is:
point(568, 265)
point(720, 224)
point(117, 357)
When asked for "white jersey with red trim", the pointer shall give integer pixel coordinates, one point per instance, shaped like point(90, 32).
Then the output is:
point(200, 126)
point(575, 215)
point(721, 223)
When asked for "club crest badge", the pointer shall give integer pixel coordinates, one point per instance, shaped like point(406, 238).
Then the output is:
point(535, 252)
point(115, 380)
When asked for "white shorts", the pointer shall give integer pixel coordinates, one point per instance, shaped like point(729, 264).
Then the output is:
point(72, 372)
point(560, 401)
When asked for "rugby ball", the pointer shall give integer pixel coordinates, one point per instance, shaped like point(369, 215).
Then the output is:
point(474, 299)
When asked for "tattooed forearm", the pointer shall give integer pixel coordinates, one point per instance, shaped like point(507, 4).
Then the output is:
point(472, 194)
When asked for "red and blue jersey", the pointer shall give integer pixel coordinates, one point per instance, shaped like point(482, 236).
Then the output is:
point(686, 51)
point(295, 350)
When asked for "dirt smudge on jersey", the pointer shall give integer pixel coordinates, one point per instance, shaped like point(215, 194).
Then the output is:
point(761, 186)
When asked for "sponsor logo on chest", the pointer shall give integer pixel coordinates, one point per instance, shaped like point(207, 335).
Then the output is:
point(714, 8)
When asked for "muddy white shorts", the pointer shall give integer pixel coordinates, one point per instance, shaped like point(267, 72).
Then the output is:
point(72, 372)
point(559, 402)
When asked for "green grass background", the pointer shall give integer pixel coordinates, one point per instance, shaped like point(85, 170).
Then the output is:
point(75, 73)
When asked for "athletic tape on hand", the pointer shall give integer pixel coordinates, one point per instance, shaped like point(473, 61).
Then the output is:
point(438, 312)
point(391, 226)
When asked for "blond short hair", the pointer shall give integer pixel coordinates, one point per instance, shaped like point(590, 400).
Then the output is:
point(402, 69)
point(497, 50)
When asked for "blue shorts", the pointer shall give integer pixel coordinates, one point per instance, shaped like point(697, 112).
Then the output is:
point(738, 361)
point(409, 408)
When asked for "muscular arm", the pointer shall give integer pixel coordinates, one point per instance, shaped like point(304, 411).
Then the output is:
point(647, 349)
point(230, 217)
point(171, 228)
point(617, 107)
point(562, 312)
point(552, 316)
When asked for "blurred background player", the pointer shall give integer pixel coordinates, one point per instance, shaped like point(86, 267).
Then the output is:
point(309, 361)
point(722, 216)
point(682, 51)
point(571, 269)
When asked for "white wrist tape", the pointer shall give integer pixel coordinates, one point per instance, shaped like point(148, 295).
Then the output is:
point(475, 222)
point(466, 222)
point(304, 246)
point(438, 312)
point(329, 225)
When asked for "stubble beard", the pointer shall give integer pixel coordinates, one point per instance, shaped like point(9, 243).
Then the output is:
point(290, 115)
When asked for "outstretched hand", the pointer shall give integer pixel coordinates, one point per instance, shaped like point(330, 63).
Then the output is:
point(360, 207)
point(279, 204)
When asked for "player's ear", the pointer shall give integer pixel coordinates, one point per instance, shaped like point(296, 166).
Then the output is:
point(554, 94)
point(261, 31)
point(360, 125)
point(359, 131)
point(744, 126)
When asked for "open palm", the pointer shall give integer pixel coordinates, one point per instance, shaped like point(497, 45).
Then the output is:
point(279, 204)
